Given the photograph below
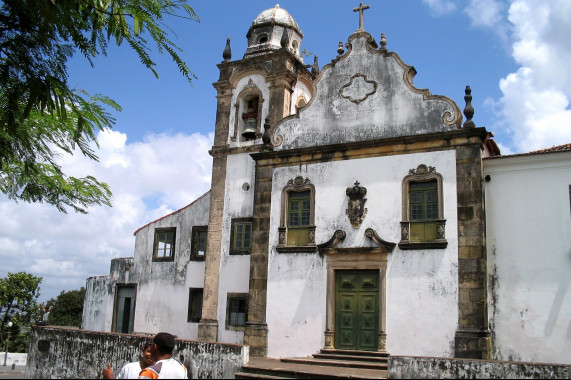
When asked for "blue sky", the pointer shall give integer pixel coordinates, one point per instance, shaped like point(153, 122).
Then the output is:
point(514, 54)
point(445, 48)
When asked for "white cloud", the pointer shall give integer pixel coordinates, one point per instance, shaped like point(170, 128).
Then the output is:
point(485, 13)
point(534, 109)
point(441, 7)
point(489, 14)
point(149, 179)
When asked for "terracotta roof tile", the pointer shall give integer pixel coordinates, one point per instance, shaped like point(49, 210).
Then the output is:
point(553, 149)
point(558, 148)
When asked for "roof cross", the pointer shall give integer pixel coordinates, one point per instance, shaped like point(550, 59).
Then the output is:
point(360, 9)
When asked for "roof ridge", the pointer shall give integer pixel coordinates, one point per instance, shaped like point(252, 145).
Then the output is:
point(172, 213)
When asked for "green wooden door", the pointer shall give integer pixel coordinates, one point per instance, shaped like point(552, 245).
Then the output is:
point(357, 310)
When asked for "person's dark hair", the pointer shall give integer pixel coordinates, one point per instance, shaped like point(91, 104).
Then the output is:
point(165, 342)
point(146, 345)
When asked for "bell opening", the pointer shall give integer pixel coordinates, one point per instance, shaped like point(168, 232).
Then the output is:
point(250, 118)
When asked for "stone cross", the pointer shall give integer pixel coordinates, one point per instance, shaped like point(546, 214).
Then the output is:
point(360, 9)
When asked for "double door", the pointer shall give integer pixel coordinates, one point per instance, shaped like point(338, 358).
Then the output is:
point(357, 309)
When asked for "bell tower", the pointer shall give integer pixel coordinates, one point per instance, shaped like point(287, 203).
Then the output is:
point(256, 92)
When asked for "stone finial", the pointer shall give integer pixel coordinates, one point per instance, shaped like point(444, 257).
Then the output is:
point(284, 42)
point(315, 67)
point(340, 49)
point(227, 54)
point(383, 43)
point(266, 139)
point(468, 110)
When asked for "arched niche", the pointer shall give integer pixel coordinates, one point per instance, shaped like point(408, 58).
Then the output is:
point(248, 114)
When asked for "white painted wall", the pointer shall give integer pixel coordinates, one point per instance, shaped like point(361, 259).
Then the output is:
point(529, 256)
point(422, 309)
point(98, 304)
point(163, 287)
point(234, 269)
point(300, 89)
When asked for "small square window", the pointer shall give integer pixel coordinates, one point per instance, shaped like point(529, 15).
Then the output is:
point(164, 244)
point(241, 239)
point(236, 311)
point(194, 305)
point(199, 235)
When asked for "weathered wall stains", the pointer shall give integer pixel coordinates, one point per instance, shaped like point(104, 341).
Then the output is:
point(81, 354)
point(153, 279)
point(528, 248)
point(391, 106)
point(406, 367)
point(418, 282)
point(98, 304)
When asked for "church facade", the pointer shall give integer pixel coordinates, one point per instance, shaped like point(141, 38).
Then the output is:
point(348, 210)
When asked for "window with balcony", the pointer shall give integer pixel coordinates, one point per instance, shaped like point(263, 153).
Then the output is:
point(297, 229)
point(423, 223)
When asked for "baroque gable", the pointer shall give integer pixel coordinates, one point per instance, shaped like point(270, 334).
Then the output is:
point(366, 94)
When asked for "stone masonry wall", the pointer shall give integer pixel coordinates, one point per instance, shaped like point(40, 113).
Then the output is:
point(406, 367)
point(73, 353)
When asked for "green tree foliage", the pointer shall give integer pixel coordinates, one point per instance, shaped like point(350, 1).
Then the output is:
point(67, 308)
point(40, 115)
point(18, 303)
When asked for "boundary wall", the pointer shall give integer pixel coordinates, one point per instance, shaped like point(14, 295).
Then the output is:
point(410, 367)
point(82, 354)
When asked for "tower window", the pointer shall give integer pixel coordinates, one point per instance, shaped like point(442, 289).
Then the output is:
point(300, 103)
point(263, 39)
point(294, 45)
point(250, 117)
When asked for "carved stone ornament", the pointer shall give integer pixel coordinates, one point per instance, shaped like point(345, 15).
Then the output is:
point(329, 340)
point(382, 342)
point(422, 169)
point(356, 204)
point(298, 181)
point(358, 88)
point(338, 236)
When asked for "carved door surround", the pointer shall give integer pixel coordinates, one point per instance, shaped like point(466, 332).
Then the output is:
point(359, 258)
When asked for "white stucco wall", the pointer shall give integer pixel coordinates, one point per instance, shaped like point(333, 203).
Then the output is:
point(234, 269)
point(300, 89)
point(385, 103)
point(163, 287)
point(529, 256)
point(422, 310)
point(98, 304)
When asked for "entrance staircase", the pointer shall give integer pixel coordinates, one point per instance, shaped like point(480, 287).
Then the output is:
point(328, 364)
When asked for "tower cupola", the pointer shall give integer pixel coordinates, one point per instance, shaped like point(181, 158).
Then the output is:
point(273, 30)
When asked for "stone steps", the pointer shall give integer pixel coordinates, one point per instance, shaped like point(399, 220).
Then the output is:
point(328, 364)
point(337, 363)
